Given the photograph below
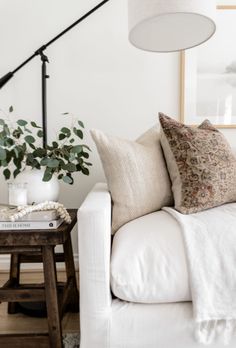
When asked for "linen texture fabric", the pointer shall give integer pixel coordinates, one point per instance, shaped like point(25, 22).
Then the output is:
point(201, 165)
point(210, 245)
point(136, 174)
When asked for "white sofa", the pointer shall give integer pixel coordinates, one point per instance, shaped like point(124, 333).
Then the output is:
point(145, 271)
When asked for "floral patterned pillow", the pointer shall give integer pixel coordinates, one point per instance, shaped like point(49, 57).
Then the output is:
point(201, 165)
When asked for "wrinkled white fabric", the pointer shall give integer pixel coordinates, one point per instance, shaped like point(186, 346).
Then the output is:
point(148, 263)
point(210, 241)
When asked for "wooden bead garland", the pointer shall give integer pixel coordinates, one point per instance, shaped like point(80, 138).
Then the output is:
point(48, 205)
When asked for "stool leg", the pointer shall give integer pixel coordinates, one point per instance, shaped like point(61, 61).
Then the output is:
point(14, 279)
point(50, 277)
point(70, 272)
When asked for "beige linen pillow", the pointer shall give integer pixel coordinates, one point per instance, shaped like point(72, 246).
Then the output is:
point(136, 174)
point(201, 165)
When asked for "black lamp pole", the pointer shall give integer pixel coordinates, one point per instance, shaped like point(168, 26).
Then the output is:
point(45, 60)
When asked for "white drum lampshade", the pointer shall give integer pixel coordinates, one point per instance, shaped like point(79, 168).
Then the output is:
point(170, 25)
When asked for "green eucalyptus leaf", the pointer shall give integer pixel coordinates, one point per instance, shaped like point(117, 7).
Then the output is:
point(22, 123)
point(53, 163)
point(70, 167)
point(78, 132)
point(35, 164)
point(2, 122)
point(3, 154)
point(16, 152)
point(40, 133)
point(11, 108)
point(7, 173)
point(81, 124)
point(62, 136)
point(39, 152)
point(6, 130)
point(55, 144)
point(72, 157)
point(47, 175)
point(44, 161)
point(16, 172)
point(20, 130)
point(77, 149)
point(85, 155)
point(67, 179)
point(9, 142)
point(75, 130)
point(4, 163)
point(29, 139)
point(10, 155)
point(30, 158)
point(34, 124)
point(32, 146)
point(65, 130)
point(17, 162)
point(85, 171)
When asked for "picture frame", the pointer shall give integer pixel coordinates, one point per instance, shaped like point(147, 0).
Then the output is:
point(208, 75)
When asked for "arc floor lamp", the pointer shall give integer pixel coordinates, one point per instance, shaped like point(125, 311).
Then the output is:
point(154, 25)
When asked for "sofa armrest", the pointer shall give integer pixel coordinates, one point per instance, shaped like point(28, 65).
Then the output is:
point(94, 228)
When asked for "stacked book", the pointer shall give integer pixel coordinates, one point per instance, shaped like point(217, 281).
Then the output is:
point(37, 220)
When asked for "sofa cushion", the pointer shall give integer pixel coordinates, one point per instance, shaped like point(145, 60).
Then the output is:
point(201, 164)
point(148, 262)
point(136, 174)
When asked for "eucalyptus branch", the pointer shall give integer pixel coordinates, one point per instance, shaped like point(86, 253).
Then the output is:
point(65, 156)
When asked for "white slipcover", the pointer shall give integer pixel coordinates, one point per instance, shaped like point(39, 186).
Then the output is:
point(148, 263)
point(108, 323)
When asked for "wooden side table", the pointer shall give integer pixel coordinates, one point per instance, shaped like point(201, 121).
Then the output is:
point(29, 246)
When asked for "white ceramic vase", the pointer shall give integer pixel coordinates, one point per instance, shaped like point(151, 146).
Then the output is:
point(38, 190)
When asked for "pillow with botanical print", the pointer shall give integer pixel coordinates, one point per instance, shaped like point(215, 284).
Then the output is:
point(201, 165)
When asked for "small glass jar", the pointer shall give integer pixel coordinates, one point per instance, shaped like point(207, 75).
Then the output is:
point(17, 194)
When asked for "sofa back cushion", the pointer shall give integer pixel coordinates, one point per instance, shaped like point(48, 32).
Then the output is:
point(148, 262)
point(136, 174)
point(201, 165)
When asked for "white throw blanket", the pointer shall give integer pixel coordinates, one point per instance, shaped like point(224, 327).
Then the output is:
point(210, 242)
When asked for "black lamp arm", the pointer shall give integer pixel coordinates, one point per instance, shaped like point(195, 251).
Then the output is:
point(9, 75)
point(6, 78)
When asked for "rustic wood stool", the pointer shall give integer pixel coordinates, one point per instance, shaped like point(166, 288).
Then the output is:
point(32, 246)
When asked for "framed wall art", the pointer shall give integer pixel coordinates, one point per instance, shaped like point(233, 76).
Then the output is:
point(208, 75)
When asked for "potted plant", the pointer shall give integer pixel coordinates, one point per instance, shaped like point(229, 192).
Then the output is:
point(21, 149)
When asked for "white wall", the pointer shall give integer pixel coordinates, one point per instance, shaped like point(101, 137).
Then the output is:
point(94, 73)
